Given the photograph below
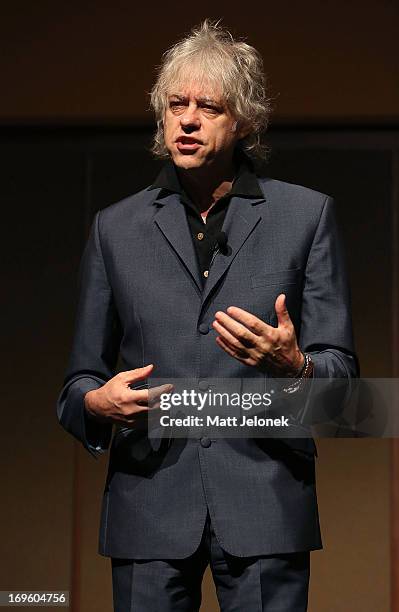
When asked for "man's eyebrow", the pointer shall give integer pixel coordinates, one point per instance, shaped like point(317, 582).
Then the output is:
point(201, 99)
point(206, 100)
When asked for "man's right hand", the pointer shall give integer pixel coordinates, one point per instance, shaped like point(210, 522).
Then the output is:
point(115, 402)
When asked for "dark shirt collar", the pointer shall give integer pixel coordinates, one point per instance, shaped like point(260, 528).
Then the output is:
point(245, 183)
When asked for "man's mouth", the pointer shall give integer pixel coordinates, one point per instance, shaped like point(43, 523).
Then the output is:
point(188, 144)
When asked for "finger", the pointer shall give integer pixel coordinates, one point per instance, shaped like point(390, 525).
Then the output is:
point(146, 397)
point(154, 394)
point(228, 337)
point(130, 376)
point(282, 313)
point(138, 409)
point(243, 358)
point(238, 352)
point(137, 396)
point(236, 329)
point(254, 324)
point(153, 407)
point(139, 413)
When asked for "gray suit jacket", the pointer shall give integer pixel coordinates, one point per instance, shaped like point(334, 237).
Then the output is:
point(141, 297)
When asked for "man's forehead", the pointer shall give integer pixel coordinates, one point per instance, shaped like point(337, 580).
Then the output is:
point(211, 94)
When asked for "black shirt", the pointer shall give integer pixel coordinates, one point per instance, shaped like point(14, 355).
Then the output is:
point(204, 234)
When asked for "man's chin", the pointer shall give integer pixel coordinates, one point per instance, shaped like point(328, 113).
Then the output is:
point(188, 162)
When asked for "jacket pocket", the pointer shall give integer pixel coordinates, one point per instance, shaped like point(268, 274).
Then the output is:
point(282, 277)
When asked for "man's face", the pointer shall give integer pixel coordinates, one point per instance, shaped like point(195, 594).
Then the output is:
point(199, 129)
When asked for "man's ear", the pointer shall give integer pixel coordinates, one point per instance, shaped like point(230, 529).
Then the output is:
point(242, 129)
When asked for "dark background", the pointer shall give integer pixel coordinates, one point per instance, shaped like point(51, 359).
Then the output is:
point(75, 136)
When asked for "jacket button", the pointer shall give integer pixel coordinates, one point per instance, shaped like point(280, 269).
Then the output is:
point(203, 328)
point(203, 385)
point(205, 442)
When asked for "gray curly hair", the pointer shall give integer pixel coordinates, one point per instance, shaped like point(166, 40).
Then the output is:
point(210, 56)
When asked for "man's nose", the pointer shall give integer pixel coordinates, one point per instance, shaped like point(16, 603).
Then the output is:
point(190, 120)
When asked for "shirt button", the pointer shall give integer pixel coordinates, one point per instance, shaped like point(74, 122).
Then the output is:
point(200, 236)
point(206, 273)
point(203, 328)
point(205, 442)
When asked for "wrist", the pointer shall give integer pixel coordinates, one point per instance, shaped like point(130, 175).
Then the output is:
point(300, 365)
point(305, 373)
point(90, 403)
point(297, 366)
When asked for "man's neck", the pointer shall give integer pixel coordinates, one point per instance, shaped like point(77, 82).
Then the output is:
point(205, 186)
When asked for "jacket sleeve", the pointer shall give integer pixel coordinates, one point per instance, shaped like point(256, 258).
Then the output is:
point(326, 325)
point(95, 347)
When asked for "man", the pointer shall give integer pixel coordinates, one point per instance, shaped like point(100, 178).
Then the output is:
point(208, 273)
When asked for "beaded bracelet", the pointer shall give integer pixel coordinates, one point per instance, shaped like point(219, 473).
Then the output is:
point(305, 372)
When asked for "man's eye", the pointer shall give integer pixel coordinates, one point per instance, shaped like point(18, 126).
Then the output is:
point(176, 105)
point(211, 109)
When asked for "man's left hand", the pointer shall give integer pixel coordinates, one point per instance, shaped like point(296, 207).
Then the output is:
point(255, 343)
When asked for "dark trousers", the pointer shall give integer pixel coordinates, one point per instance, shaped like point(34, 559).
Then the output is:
point(277, 583)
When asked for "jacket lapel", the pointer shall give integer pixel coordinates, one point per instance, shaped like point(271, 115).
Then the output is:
point(172, 221)
point(241, 219)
